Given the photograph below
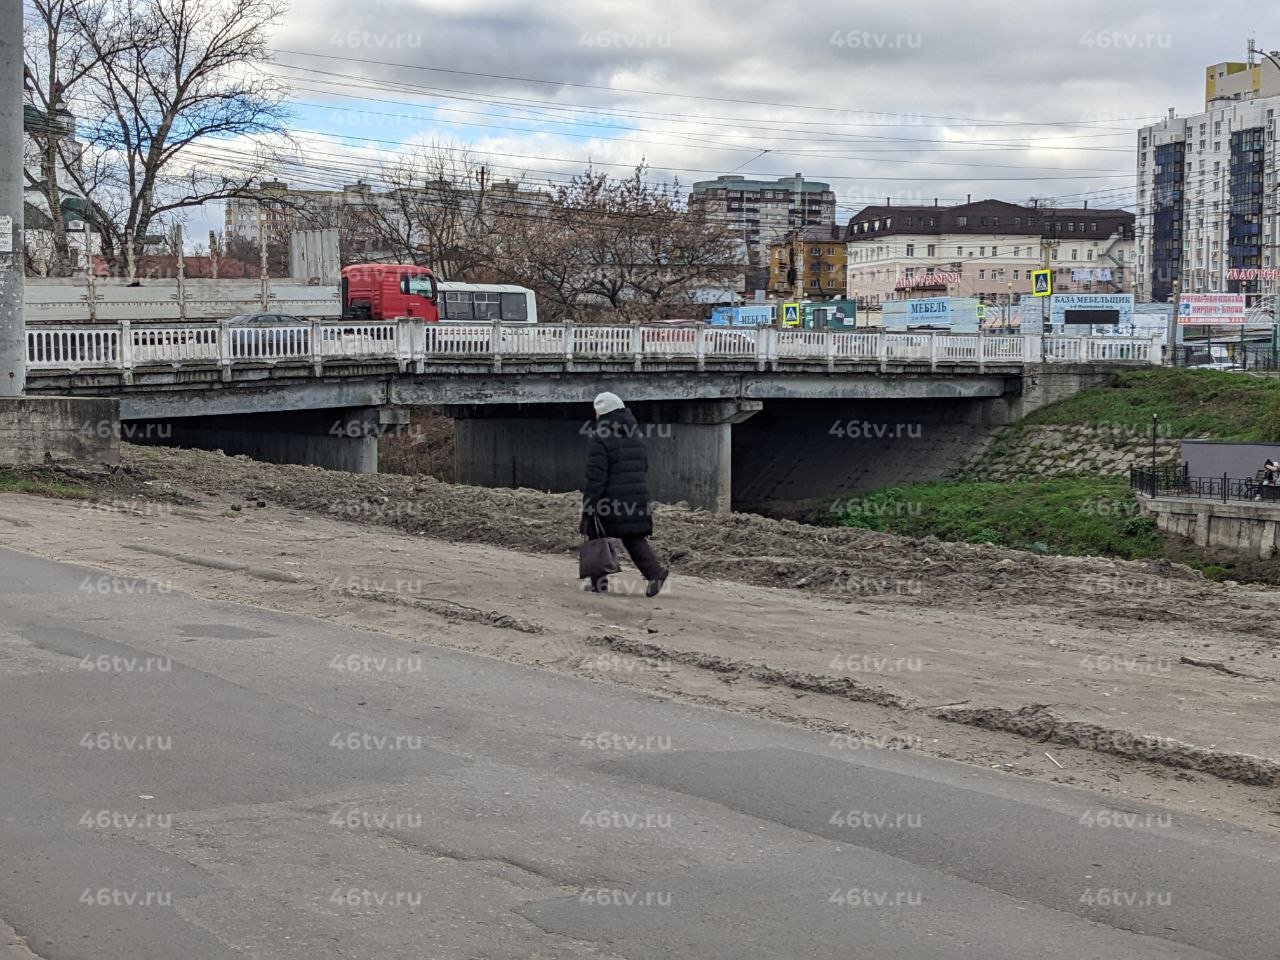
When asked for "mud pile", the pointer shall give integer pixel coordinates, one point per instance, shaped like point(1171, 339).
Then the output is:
point(856, 564)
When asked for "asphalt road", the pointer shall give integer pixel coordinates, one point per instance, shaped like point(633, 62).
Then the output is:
point(184, 778)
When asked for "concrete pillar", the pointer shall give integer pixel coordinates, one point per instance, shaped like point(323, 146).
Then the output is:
point(690, 446)
point(13, 346)
point(541, 454)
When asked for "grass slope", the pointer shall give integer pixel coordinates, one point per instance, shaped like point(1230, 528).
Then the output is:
point(1190, 403)
point(1074, 515)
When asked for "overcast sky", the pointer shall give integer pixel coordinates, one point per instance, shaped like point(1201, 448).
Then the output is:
point(907, 100)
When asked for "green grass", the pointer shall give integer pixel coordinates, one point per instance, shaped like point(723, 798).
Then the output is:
point(1071, 515)
point(1190, 403)
point(13, 483)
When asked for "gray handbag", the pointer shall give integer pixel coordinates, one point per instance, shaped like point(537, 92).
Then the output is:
point(599, 555)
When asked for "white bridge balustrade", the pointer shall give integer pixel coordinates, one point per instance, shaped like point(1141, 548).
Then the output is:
point(127, 347)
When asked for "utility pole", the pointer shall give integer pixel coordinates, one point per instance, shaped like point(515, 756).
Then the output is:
point(799, 239)
point(13, 347)
point(1046, 245)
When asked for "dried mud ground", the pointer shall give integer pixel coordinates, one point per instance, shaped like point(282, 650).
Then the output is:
point(1140, 680)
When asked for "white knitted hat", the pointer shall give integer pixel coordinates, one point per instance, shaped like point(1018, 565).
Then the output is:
point(607, 403)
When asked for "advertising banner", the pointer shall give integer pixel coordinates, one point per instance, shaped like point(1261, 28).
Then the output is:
point(1074, 309)
point(1212, 309)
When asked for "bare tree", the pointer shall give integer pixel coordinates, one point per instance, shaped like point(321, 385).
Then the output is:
point(58, 61)
point(626, 248)
point(172, 98)
point(438, 209)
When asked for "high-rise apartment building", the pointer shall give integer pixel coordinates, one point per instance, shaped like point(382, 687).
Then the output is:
point(1207, 203)
point(761, 212)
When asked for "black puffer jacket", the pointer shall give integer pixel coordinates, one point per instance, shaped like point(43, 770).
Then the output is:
point(617, 488)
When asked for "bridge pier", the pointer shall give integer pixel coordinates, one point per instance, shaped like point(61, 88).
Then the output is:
point(342, 439)
point(690, 447)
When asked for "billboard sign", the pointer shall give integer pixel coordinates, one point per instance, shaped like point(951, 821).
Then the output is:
point(1211, 309)
point(1091, 309)
point(957, 314)
point(748, 316)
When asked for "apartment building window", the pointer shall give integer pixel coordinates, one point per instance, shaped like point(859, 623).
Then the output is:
point(1071, 228)
point(959, 251)
point(911, 249)
point(1089, 254)
point(1075, 253)
point(1055, 253)
point(995, 221)
point(1217, 127)
point(995, 251)
point(929, 250)
point(982, 251)
point(962, 221)
point(982, 274)
point(1015, 274)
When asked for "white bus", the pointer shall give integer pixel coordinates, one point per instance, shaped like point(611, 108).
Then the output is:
point(481, 302)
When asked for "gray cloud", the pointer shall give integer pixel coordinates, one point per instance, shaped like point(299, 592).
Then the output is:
point(1089, 64)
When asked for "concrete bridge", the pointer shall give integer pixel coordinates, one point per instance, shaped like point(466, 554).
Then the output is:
point(737, 417)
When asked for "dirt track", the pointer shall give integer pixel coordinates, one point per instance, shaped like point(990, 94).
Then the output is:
point(985, 654)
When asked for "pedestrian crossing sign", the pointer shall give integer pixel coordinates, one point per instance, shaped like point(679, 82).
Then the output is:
point(1041, 283)
point(791, 314)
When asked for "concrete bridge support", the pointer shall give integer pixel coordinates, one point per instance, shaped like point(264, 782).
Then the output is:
point(343, 439)
point(690, 447)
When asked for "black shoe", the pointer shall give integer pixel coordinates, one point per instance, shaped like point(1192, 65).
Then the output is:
point(655, 586)
point(601, 587)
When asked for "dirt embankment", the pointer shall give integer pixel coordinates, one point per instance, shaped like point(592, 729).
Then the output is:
point(841, 562)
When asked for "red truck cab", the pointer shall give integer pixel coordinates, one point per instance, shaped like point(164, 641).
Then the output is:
point(388, 291)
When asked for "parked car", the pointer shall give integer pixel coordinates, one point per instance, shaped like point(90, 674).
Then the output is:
point(265, 319)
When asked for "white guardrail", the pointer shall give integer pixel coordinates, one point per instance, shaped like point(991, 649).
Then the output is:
point(125, 346)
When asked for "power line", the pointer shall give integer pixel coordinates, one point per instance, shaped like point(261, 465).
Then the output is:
point(661, 93)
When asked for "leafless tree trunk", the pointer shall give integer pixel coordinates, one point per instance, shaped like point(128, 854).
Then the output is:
point(59, 59)
point(170, 97)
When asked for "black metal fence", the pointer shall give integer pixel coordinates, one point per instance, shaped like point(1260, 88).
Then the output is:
point(1174, 481)
point(1253, 356)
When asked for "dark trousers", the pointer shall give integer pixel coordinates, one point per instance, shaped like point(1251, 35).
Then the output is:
point(642, 555)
